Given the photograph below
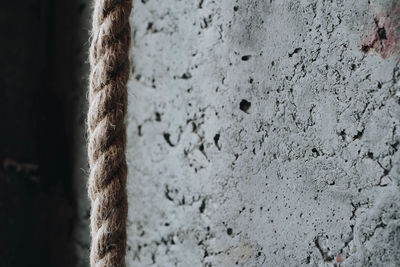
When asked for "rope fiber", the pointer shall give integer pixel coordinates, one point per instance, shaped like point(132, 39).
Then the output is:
point(109, 74)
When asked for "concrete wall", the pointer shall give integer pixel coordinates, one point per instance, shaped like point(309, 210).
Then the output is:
point(264, 133)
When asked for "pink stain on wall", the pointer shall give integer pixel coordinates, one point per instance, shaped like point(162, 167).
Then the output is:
point(385, 37)
point(339, 258)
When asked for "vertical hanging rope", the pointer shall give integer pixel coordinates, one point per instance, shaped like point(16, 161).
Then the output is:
point(109, 62)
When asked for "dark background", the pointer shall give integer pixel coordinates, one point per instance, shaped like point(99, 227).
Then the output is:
point(39, 101)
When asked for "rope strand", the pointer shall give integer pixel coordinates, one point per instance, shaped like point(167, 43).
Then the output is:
point(109, 63)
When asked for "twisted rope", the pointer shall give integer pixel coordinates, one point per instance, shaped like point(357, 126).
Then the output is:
point(109, 62)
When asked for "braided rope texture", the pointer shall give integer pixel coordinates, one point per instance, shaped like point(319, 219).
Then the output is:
point(109, 74)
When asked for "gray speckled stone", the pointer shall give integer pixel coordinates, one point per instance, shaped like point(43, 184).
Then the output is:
point(264, 133)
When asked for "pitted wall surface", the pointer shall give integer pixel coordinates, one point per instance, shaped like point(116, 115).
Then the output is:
point(264, 133)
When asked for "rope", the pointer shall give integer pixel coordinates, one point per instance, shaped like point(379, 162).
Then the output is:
point(109, 62)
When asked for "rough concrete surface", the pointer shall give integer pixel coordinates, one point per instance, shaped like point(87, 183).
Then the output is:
point(264, 133)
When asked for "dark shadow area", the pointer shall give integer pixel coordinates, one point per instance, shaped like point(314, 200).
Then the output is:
point(37, 203)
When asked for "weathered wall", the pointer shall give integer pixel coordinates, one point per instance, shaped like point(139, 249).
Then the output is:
point(264, 133)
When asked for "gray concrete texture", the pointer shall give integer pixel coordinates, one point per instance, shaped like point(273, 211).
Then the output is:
point(264, 133)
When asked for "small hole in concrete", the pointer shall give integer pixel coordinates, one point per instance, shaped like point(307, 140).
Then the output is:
point(382, 33)
point(201, 147)
point(358, 135)
point(365, 48)
point(186, 76)
point(295, 51)
point(244, 105)
point(315, 151)
point(167, 139)
point(158, 116)
point(139, 130)
point(202, 206)
point(216, 139)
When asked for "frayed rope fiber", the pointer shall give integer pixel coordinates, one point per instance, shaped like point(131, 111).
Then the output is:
point(109, 73)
